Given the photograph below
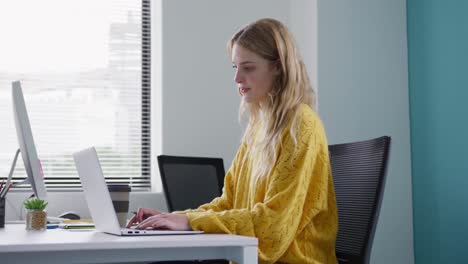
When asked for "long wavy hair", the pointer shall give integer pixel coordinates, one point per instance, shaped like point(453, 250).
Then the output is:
point(271, 40)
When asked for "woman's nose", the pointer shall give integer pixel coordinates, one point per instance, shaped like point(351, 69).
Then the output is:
point(237, 77)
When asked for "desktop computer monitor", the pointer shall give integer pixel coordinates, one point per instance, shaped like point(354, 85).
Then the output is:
point(31, 162)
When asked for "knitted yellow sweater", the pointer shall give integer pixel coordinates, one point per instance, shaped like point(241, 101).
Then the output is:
point(292, 211)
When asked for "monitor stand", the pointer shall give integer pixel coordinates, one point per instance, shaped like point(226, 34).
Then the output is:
point(10, 175)
point(9, 184)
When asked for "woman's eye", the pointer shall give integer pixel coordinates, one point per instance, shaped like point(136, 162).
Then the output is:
point(247, 69)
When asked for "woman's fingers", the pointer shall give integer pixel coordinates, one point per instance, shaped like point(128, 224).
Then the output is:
point(132, 221)
point(142, 214)
point(159, 221)
point(165, 221)
point(153, 222)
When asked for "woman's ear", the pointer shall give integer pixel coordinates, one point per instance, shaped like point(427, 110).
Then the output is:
point(277, 67)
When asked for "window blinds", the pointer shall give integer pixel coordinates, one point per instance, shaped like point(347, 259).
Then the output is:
point(86, 83)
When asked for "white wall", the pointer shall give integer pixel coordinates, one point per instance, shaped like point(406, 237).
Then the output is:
point(303, 24)
point(364, 94)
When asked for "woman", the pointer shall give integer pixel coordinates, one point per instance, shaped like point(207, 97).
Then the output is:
point(279, 187)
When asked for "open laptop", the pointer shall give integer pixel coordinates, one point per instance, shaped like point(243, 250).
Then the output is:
point(99, 200)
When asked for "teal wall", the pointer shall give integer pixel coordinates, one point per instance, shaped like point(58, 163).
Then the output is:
point(438, 78)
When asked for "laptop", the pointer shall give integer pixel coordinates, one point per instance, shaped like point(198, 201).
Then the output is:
point(99, 200)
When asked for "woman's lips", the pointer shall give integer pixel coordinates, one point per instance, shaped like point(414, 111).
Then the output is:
point(244, 90)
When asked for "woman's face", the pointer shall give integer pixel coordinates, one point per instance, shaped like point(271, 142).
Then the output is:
point(254, 74)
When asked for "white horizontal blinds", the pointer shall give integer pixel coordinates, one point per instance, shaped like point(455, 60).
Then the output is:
point(146, 88)
point(100, 97)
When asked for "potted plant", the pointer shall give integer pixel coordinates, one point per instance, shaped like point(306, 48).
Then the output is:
point(36, 216)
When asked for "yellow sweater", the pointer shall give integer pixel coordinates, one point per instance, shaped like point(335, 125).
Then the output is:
point(292, 211)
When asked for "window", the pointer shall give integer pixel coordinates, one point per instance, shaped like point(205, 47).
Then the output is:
point(85, 72)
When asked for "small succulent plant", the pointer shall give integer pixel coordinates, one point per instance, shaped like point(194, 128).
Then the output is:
point(35, 204)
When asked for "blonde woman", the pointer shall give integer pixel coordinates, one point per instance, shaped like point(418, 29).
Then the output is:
point(279, 187)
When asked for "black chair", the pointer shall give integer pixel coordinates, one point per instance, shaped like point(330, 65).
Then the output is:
point(359, 170)
point(189, 182)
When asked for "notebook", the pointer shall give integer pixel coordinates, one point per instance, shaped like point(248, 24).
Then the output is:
point(99, 200)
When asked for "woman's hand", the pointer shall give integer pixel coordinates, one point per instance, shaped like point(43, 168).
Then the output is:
point(141, 215)
point(166, 221)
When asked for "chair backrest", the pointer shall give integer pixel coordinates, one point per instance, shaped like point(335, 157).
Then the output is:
point(189, 182)
point(359, 170)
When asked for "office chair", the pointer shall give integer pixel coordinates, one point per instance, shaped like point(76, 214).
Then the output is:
point(189, 182)
point(359, 170)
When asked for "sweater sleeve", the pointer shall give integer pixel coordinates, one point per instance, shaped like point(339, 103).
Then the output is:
point(279, 217)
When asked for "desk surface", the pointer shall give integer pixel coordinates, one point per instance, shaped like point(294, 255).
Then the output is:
point(14, 239)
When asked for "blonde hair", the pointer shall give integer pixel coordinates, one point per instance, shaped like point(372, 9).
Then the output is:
point(271, 40)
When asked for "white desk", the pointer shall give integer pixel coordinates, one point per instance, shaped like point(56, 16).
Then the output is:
point(61, 246)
